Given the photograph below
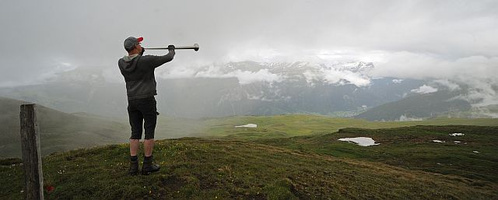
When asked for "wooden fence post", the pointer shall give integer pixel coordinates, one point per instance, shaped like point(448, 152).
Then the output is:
point(31, 154)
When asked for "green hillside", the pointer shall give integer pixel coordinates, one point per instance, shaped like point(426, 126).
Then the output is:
point(62, 131)
point(418, 106)
point(225, 169)
point(280, 126)
point(59, 131)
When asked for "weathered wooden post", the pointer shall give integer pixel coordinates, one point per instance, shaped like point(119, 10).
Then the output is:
point(31, 154)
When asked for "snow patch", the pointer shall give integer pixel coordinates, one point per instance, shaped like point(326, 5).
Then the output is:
point(362, 141)
point(438, 141)
point(404, 118)
point(397, 80)
point(247, 126)
point(476, 151)
point(456, 134)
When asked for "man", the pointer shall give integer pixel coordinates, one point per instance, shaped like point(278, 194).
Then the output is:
point(138, 72)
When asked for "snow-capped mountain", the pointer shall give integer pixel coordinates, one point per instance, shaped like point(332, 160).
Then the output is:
point(236, 88)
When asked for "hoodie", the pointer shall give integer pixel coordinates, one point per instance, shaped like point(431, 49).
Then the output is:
point(138, 72)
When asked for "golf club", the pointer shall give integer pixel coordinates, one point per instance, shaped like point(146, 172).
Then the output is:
point(195, 47)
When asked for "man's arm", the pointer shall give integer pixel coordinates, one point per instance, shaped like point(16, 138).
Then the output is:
point(156, 61)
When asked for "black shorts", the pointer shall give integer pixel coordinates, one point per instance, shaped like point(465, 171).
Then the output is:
point(140, 110)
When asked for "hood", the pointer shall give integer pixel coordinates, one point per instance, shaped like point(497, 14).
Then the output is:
point(127, 63)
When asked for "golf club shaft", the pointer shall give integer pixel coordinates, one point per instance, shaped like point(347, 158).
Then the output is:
point(194, 47)
point(165, 48)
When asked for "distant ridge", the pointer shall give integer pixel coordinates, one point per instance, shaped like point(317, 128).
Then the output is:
point(59, 131)
point(416, 107)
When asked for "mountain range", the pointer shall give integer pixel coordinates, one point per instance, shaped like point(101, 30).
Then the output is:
point(341, 89)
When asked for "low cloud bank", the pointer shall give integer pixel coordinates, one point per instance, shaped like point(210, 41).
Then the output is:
point(244, 76)
point(425, 89)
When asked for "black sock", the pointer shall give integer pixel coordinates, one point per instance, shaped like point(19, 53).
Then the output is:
point(133, 158)
point(147, 158)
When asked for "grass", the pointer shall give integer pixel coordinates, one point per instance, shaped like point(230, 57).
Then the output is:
point(413, 148)
point(63, 132)
point(280, 126)
point(194, 168)
point(286, 157)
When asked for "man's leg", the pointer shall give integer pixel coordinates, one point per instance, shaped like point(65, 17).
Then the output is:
point(150, 117)
point(148, 147)
point(135, 118)
point(134, 145)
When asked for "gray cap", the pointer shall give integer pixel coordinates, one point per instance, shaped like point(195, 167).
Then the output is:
point(130, 42)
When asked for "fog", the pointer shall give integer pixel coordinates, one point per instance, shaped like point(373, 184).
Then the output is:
point(447, 40)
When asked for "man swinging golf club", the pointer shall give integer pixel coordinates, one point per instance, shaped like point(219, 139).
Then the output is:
point(138, 72)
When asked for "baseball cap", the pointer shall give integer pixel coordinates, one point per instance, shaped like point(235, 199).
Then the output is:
point(130, 42)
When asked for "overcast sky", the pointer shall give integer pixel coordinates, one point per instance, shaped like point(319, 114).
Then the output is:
point(420, 39)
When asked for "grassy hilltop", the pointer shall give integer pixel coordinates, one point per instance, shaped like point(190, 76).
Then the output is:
point(406, 165)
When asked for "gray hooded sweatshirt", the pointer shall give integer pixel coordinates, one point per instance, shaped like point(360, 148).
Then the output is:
point(138, 72)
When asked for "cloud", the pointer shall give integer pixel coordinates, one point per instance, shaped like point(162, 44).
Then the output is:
point(247, 77)
point(423, 66)
point(244, 77)
point(333, 76)
point(452, 86)
point(336, 74)
point(425, 89)
point(409, 39)
point(483, 93)
point(178, 72)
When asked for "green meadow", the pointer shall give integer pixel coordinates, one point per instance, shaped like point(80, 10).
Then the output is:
point(285, 157)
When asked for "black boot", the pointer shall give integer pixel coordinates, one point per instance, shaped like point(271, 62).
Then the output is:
point(133, 165)
point(148, 167)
